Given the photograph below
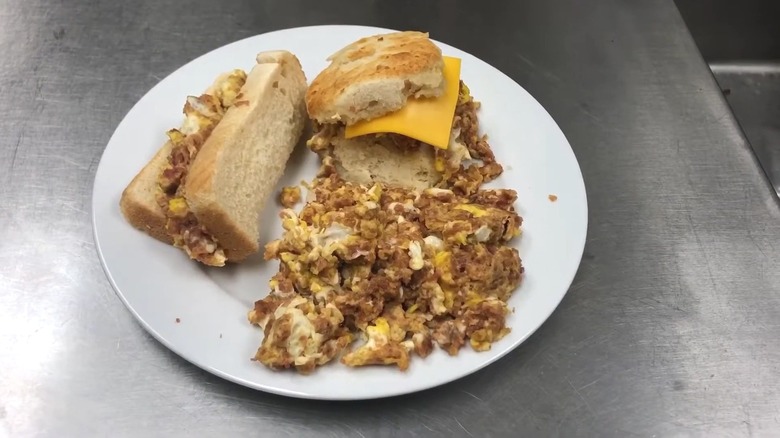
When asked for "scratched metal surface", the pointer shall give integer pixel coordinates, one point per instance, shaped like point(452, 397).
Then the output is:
point(671, 327)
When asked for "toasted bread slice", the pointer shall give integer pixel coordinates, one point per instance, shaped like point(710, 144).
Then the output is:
point(375, 76)
point(238, 166)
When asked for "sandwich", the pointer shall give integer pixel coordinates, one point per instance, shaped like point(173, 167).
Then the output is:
point(204, 189)
point(392, 109)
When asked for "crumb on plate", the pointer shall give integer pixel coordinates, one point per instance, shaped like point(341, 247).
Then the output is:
point(290, 196)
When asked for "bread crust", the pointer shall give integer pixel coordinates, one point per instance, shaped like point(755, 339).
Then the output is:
point(138, 204)
point(374, 76)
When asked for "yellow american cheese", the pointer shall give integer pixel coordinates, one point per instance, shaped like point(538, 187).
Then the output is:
point(426, 119)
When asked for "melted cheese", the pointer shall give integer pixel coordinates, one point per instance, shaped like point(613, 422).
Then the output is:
point(426, 119)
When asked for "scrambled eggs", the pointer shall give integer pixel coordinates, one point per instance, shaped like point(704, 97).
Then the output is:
point(202, 114)
point(401, 270)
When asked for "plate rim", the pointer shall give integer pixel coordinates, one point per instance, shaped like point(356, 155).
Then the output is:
point(580, 245)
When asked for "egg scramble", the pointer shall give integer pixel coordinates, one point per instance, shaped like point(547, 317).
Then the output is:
point(401, 269)
point(203, 113)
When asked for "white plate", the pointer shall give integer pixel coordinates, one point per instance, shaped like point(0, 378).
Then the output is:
point(161, 286)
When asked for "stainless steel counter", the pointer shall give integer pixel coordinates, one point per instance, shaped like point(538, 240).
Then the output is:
point(670, 329)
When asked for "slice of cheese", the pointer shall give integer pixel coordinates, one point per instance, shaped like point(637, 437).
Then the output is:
point(426, 119)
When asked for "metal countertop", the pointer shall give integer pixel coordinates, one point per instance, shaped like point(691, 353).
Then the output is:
point(670, 328)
